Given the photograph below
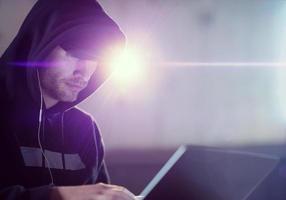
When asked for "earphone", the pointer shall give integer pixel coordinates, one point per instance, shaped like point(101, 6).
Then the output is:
point(39, 127)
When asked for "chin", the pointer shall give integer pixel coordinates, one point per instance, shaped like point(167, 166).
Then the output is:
point(70, 98)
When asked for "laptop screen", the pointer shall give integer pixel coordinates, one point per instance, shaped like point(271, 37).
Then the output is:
point(195, 172)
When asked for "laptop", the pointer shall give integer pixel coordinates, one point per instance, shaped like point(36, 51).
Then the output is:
point(207, 173)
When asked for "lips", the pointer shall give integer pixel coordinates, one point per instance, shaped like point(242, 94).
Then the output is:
point(75, 85)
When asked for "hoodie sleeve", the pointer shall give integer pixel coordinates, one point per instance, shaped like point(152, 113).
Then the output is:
point(103, 176)
point(18, 192)
point(99, 172)
point(99, 176)
point(102, 173)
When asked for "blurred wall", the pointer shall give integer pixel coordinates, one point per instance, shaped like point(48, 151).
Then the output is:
point(211, 105)
point(201, 105)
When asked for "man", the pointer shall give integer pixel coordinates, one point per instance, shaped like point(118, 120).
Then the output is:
point(50, 149)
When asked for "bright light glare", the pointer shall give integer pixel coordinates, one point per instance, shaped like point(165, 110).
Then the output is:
point(128, 67)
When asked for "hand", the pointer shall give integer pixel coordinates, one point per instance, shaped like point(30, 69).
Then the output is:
point(98, 191)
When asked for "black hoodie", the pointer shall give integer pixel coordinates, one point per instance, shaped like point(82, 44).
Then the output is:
point(69, 138)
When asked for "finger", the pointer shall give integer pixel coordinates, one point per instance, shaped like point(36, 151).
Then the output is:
point(116, 191)
point(123, 192)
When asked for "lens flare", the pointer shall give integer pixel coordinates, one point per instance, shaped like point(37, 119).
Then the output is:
point(128, 67)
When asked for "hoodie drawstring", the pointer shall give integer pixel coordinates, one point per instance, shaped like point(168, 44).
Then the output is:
point(63, 139)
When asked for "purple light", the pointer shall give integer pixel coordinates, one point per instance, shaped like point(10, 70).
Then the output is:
point(36, 64)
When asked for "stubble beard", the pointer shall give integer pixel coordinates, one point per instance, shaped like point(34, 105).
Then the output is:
point(61, 92)
point(64, 93)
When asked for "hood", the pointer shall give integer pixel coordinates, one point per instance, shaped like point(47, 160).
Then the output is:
point(81, 27)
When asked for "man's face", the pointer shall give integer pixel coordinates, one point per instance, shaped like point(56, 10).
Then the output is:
point(66, 76)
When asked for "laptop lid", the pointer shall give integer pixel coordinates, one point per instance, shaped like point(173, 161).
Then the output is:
point(196, 172)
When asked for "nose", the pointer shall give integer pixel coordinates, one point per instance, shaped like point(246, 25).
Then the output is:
point(84, 69)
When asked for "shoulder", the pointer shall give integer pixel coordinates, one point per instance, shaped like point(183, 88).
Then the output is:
point(83, 121)
point(78, 112)
point(78, 116)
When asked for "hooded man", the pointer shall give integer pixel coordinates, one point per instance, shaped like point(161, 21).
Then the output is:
point(48, 146)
